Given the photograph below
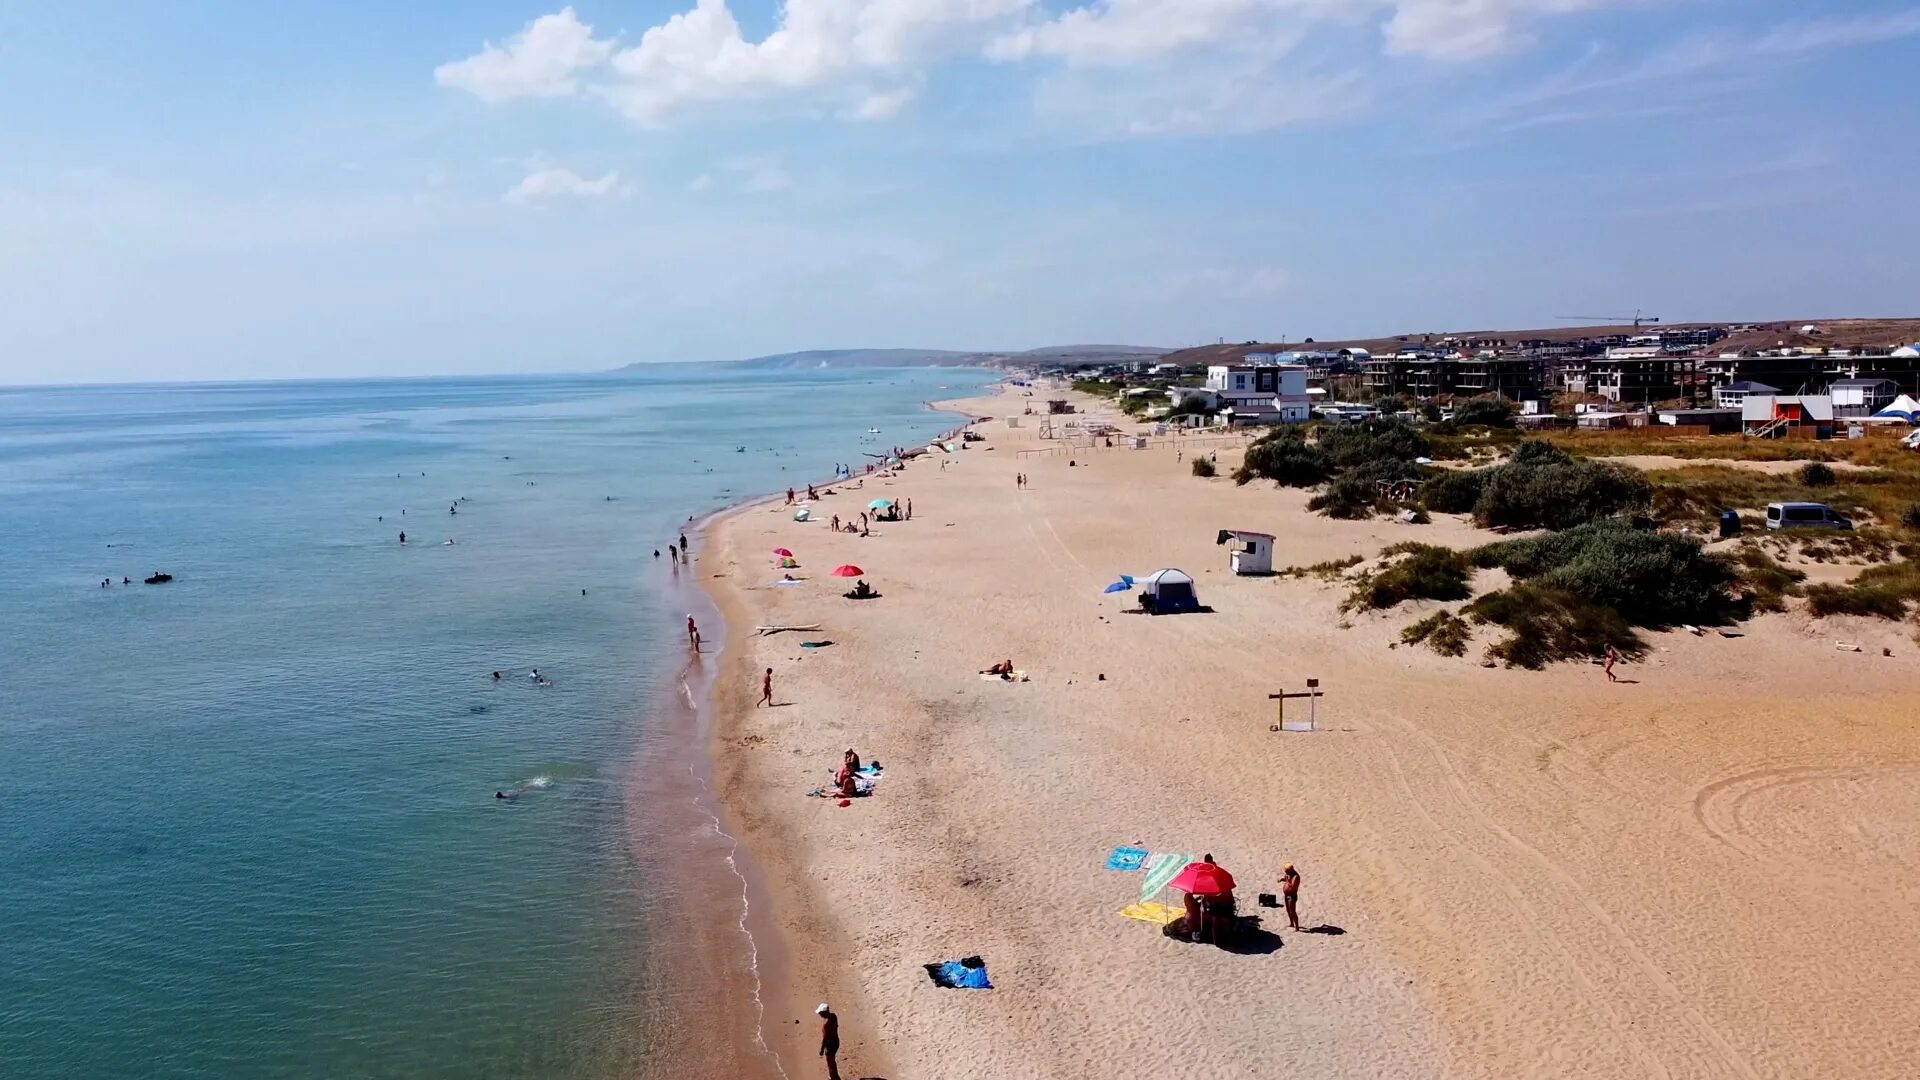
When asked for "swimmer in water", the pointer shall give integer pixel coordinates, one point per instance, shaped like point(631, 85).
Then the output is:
point(403, 537)
point(496, 676)
point(535, 676)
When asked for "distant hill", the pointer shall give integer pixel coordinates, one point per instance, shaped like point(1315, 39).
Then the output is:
point(864, 358)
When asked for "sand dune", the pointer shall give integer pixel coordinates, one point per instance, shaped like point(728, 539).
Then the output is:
point(1709, 871)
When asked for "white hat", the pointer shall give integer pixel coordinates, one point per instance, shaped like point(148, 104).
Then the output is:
point(822, 1009)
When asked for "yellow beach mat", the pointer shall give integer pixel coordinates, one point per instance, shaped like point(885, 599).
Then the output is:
point(1150, 911)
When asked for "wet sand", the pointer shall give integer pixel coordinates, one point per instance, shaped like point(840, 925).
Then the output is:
point(1706, 870)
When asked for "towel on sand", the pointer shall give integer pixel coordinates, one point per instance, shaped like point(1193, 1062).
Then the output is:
point(1018, 676)
point(1126, 858)
point(1149, 911)
point(967, 974)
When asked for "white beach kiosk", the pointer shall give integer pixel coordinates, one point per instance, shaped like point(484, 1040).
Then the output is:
point(1252, 552)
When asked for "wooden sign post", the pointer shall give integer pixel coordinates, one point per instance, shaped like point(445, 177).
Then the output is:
point(1311, 693)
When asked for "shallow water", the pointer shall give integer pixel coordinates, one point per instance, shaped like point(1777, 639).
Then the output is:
point(248, 819)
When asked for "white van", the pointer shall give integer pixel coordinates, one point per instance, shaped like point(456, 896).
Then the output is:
point(1804, 515)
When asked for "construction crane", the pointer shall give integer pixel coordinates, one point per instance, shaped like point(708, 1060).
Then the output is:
point(1636, 319)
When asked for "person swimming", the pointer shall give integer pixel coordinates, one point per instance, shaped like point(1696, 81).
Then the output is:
point(496, 676)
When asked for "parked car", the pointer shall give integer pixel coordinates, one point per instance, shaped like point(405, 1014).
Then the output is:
point(1804, 515)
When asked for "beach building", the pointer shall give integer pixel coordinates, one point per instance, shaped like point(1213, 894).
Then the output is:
point(1416, 374)
point(1857, 398)
point(1636, 379)
point(1732, 394)
point(1700, 421)
point(1251, 552)
point(1261, 393)
point(1781, 416)
point(1515, 377)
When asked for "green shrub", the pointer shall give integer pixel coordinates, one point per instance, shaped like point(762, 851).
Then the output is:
point(1443, 632)
point(1348, 446)
point(1650, 579)
point(1354, 493)
point(1284, 457)
point(1546, 625)
point(1390, 404)
point(1493, 411)
point(1910, 517)
point(1540, 487)
point(1453, 491)
point(1419, 572)
point(1203, 466)
point(1815, 474)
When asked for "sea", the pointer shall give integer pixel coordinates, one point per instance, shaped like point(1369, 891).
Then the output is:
point(248, 816)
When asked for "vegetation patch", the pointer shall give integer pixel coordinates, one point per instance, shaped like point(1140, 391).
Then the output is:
point(1203, 466)
point(1453, 491)
point(1540, 486)
point(1443, 632)
point(1546, 625)
point(1650, 579)
point(1880, 591)
point(1767, 583)
point(1326, 571)
point(1417, 572)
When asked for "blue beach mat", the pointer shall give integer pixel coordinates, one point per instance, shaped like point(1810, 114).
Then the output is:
point(967, 974)
point(1127, 858)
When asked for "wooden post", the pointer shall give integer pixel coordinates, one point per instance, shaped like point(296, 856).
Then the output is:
point(1311, 693)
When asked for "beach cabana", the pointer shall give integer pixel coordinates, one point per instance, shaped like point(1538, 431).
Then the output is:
point(1252, 552)
point(1168, 592)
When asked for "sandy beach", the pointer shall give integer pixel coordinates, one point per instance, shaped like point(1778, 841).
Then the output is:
point(1707, 870)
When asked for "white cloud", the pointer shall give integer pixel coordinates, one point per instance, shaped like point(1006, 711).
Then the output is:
point(553, 183)
point(700, 55)
point(700, 183)
point(868, 59)
point(542, 60)
point(885, 104)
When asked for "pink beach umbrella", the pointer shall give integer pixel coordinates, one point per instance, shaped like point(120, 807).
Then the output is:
point(783, 552)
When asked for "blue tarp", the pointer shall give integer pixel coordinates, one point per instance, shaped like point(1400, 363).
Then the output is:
point(968, 974)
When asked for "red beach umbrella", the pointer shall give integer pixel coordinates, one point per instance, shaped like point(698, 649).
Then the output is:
point(1202, 879)
point(783, 552)
point(847, 570)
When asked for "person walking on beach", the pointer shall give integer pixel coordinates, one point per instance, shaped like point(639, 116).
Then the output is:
point(789, 496)
point(909, 509)
point(829, 1040)
point(693, 632)
point(1613, 657)
point(1290, 895)
point(766, 690)
point(683, 545)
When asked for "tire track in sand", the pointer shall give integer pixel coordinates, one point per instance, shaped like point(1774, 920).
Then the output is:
point(1680, 1003)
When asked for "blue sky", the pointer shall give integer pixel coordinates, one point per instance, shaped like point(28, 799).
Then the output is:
point(214, 189)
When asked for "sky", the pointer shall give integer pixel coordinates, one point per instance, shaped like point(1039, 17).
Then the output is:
point(211, 189)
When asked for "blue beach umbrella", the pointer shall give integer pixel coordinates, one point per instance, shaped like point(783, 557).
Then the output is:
point(879, 504)
point(1123, 585)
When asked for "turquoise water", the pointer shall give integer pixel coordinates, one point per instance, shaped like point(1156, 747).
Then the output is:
point(247, 824)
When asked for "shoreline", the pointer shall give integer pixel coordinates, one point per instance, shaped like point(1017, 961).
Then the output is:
point(771, 947)
point(1438, 799)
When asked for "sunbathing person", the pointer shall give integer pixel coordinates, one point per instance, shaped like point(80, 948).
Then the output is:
point(1004, 669)
point(852, 760)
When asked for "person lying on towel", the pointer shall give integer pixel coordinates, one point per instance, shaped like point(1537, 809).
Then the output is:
point(1004, 669)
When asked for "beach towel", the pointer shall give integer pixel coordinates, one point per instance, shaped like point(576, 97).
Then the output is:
point(1127, 858)
point(1160, 870)
point(1018, 676)
point(871, 771)
point(967, 974)
point(815, 644)
point(1149, 911)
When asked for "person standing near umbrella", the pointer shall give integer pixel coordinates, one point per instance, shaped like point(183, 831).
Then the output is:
point(1290, 894)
